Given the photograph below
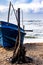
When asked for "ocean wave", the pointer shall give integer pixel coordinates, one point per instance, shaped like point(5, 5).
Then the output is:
point(36, 26)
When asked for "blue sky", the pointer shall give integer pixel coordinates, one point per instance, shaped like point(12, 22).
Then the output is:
point(32, 9)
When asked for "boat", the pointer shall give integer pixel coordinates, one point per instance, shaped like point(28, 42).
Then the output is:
point(9, 31)
point(8, 34)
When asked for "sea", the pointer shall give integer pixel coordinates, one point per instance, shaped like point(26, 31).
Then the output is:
point(34, 31)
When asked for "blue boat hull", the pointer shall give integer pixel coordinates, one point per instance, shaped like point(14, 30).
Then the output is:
point(9, 33)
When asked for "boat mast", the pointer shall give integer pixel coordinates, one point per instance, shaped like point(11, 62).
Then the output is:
point(22, 18)
point(9, 12)
point(19, 25)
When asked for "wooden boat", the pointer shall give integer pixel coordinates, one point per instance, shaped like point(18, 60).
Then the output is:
point(8, 34)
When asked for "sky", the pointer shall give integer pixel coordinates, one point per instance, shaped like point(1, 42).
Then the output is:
point(32, 9)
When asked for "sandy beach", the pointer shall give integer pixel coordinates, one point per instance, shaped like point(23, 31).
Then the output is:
point(33, 50)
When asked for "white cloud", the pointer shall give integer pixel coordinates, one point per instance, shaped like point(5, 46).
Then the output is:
point(20, 1)
point(36, 1)
point(35, 5)
point(3, 8)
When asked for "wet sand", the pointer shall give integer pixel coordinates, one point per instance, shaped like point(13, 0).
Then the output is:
point(33, 50)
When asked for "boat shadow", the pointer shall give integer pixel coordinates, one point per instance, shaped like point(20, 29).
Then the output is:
point(9, 48)
point(20, 61)
point(26, 60)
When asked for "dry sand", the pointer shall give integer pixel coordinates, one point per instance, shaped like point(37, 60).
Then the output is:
point(34, 51)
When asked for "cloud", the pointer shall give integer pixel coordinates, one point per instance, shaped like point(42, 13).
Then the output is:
point(3, 8)
point(20, 1)
point(34, 6)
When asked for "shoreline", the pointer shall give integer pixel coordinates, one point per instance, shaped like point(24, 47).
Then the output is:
point(36, 40)
point(33, 50)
